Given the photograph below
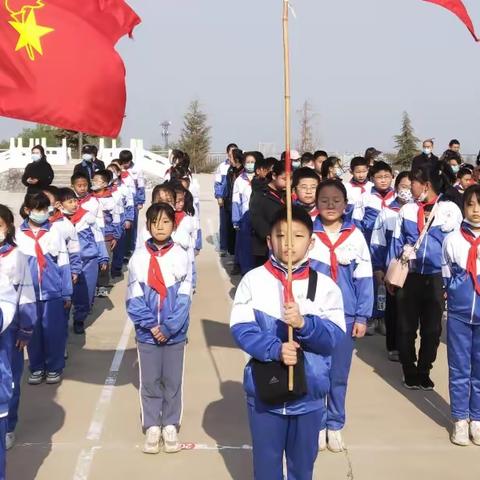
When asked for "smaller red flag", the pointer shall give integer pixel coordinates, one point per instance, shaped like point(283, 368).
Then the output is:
point(458, 8)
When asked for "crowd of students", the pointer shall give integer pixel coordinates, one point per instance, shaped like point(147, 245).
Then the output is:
point(64, 253)
point(348, 227)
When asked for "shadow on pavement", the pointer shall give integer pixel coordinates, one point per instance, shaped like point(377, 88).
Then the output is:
point(372, 351)
point(226, 419)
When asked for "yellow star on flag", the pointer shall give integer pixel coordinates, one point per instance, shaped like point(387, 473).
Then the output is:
point(30, 34)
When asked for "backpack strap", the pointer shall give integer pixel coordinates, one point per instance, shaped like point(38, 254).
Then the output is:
point(312, 284)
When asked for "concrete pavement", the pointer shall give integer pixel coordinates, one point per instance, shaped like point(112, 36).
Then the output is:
point(89, 426)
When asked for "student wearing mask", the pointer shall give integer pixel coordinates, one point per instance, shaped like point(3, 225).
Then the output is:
point(331, 169)
point(89, 164)
point(38, 173)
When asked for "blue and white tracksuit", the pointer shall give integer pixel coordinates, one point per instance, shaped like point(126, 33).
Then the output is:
point(354, 277)
point(463, 328)
point(124, 199)
point(356, 190)
point(185, 235)
point(111, 216)
point(258, 329)
point(221, 191)
point(91, 204)
point(93, 254)
point(46, 349)
point(69, 235)
point(160, 364)
point(8, 308)
point(139, 199)
point(242, 191)
point(195, 191)
point(14, 269)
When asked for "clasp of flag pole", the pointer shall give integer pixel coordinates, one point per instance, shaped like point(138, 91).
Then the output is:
point(457, 7)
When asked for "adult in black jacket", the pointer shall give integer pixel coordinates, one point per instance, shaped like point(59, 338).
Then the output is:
point(38, 173)
point(264, 205)
point(426, 158)
point(89, 164)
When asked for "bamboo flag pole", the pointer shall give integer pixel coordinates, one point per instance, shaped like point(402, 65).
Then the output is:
point(288, 171)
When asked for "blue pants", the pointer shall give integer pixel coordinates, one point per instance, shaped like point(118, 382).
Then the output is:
point(84, 290)
point(16, 365)
point(273, 435)
point(463, 348)
point(46, 349)
point(3, 432)
point(339, 371)
point(119, 253)
point(223, 230)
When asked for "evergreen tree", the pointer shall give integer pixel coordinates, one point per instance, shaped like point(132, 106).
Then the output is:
point(195, 137)
point(406, 143)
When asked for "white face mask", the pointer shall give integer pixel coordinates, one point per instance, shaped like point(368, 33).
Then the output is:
point(427, 150)
point(296, 164)
point(338, 172)
point(96, 188)
point(423, 196)
point(39, 217)
point(2, 237)
point(36, 157)
point(250, 167)
point(87, 157)
point(472, 224)
point(405, 196)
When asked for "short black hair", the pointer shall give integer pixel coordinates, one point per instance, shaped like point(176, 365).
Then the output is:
point(258, 156)
point(470, 192)
point(238, 156)
point(156, 210)
point(105, 174)
point(358, 162)
point(332, 182)
point(307, 157)
point(327, 165)
point(89, 149)
point(125, 157)
point(299, 214)
point(65, 194)
point(79, 176)
point(270, 162)
point(453, 142)
point(164, 187)
point(52, 190)
point(279, 168)
point(36, 201)
point(7, 216)
point(304, 172)
point(464, 171)
point(379, 167)
point(437, 175)
point(320, 153)
point(230, 146)
point(400, 177)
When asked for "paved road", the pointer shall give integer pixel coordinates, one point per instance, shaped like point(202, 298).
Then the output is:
point(89, 426)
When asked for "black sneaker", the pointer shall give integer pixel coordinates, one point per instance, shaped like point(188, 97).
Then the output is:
point(235, 270)
point(79, 328)
point(426, 383)
point(411, 382)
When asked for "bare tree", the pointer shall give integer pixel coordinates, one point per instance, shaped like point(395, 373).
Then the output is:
point(306, 141)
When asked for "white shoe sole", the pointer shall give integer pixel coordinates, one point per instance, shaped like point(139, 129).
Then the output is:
point(460, 444)
point(334, 450)
point(53, 381)
point(171, 448)
point(151, 450)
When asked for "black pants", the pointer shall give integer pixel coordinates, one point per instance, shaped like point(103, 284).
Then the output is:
point(259, 260)
point(231, 233)
point(420, 303)
point(391, 323)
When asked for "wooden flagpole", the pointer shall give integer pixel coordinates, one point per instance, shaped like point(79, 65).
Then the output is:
point(288, 171)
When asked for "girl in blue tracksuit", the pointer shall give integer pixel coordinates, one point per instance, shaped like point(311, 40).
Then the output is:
point(242, 191)
point(93, 254)
point(462, 283)
point(420, 302)
point(379, 247)
point(261, 312)
point(52, 280)
point(14, 272)
point(341, 253)
point(158, 303)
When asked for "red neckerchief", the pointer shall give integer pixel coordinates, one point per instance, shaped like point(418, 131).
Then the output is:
point(124, 174)
point(282, 278)
point(332, 247)
point(472, 257)
point(155, 275)
point(105, 194)
point(58, 215)
point(113, 188)
point(8, 250)
point(179, 216)
point(85, 199)
point(421, 213)
point(314, 213)
point(355, 184)
point(386, 197)
point(274, 194)
point(42, 261)
point(78, 215)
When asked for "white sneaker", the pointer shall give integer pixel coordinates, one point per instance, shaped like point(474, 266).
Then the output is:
point(335, 442)
point(102, 292)
point(460, 433)
point(322, 440)
point(475, 432)
point(170, 439)
point(9, 440)
point(152, 440)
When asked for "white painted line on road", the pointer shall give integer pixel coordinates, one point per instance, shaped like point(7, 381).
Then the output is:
point(85, 458)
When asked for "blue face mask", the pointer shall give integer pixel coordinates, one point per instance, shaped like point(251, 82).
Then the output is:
point(39, 217)
point(455, 168)
point(250, 167)
point(296, 164)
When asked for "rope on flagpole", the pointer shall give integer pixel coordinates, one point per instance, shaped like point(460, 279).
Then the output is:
point(288, 171)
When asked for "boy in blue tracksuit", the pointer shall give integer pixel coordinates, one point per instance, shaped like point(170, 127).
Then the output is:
point(14, 272)
point(462, 283)
point(259, 320)
point(93, 256)
point(221, 192)
point(158, 303)
point(52, 280)
point(341, 252)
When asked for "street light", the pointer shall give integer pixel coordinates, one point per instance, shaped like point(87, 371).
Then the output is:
point(165, 133)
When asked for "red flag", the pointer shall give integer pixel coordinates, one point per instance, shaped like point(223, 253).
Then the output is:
point(58, 64)
point(458, 8)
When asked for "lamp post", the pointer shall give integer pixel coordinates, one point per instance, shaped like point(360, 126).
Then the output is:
point(165, 132)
